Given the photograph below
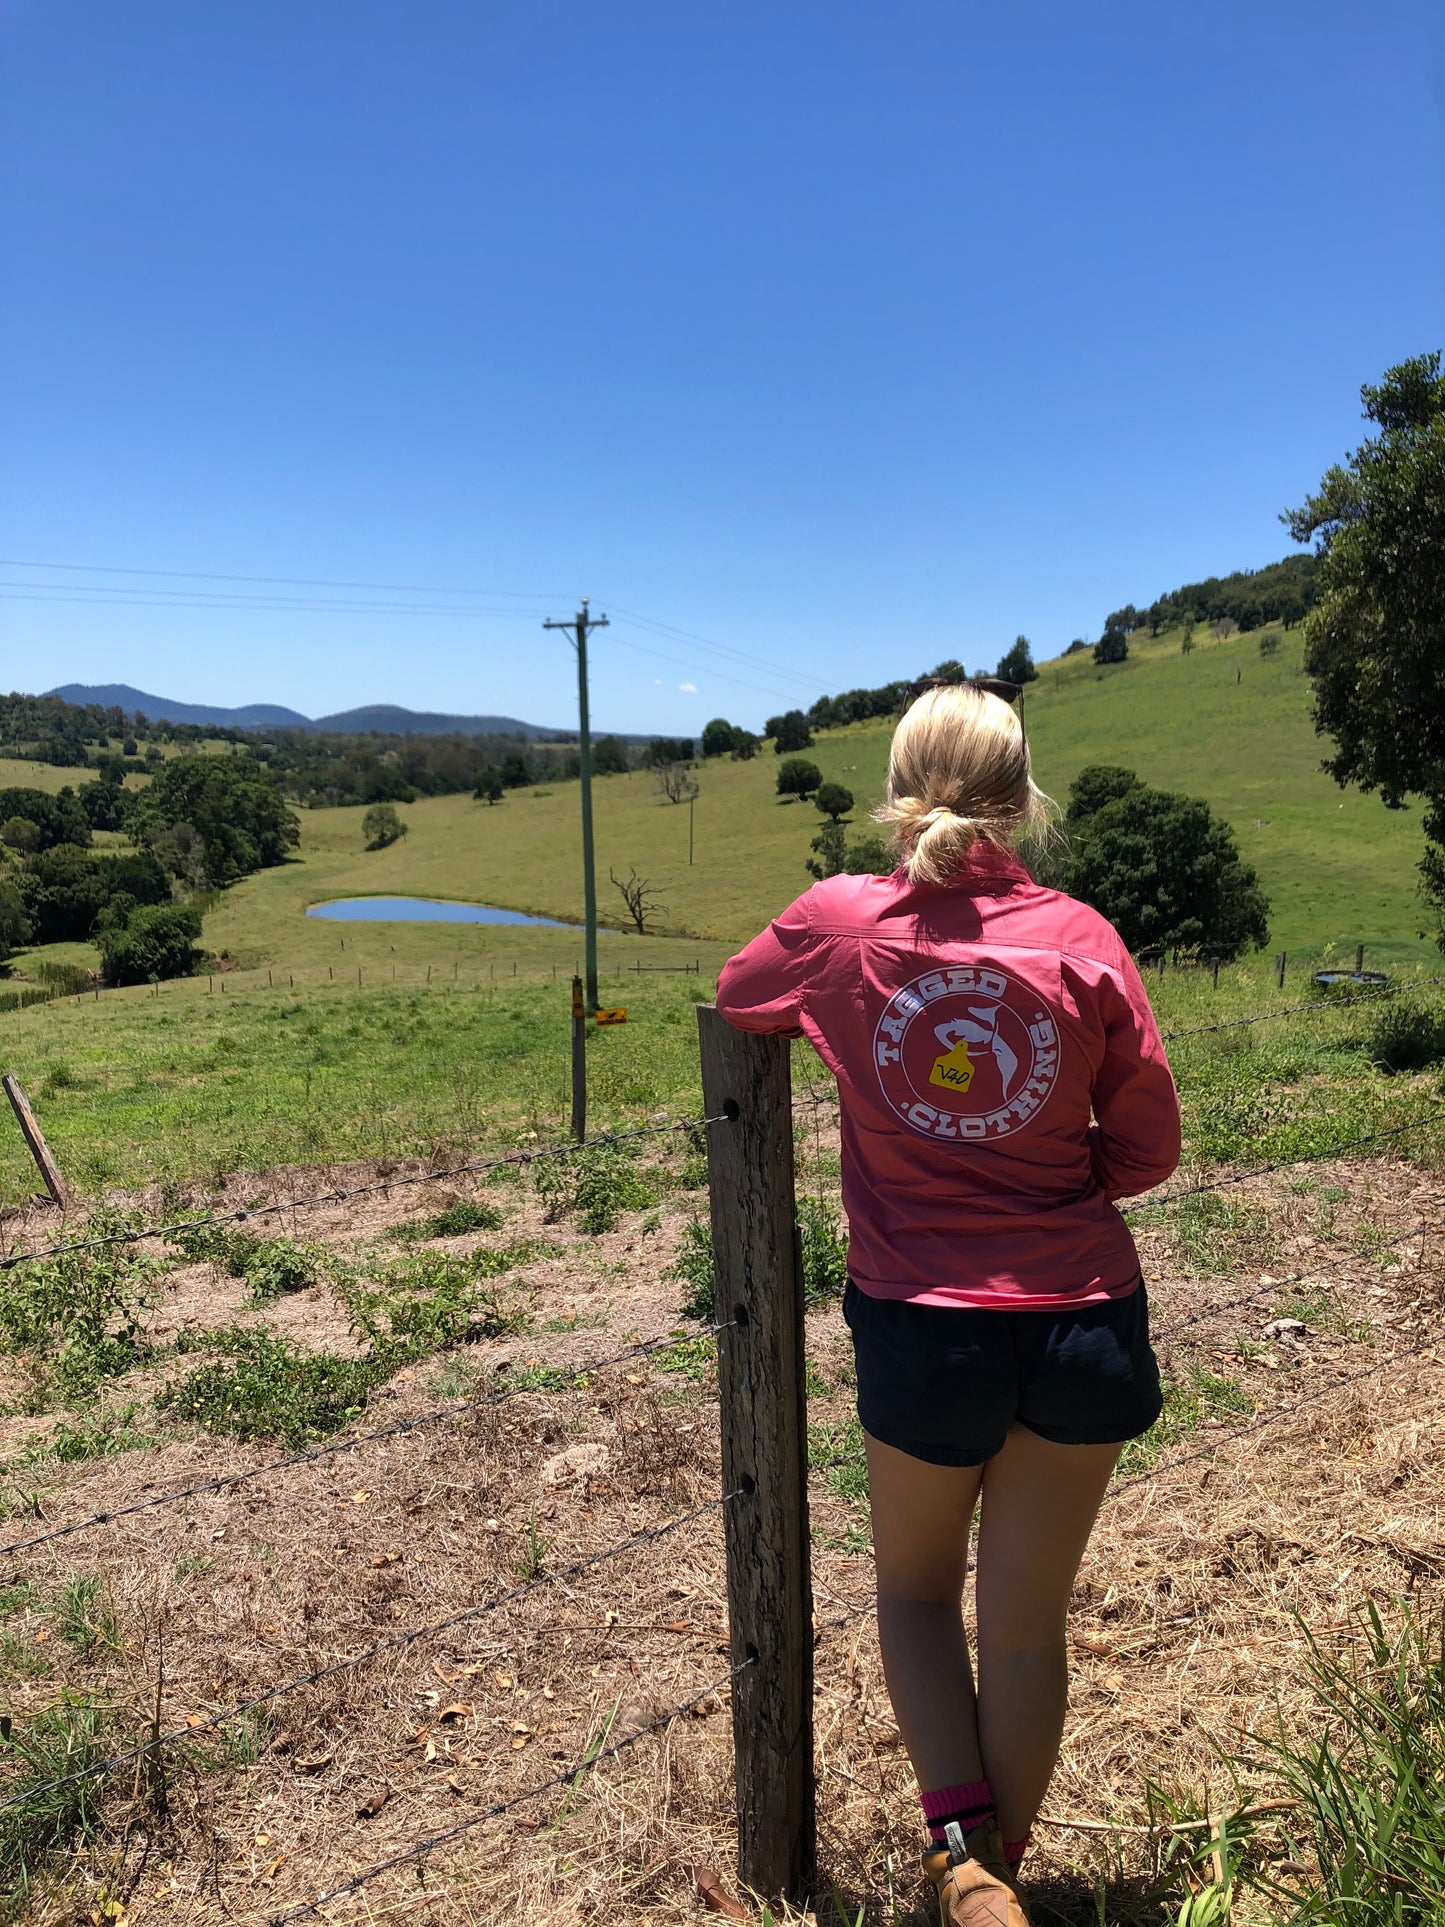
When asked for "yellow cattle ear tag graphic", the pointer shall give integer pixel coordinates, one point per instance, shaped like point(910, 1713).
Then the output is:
point(954, 1070)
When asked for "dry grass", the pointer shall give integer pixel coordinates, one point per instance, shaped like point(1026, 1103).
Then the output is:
point(1185, 1632)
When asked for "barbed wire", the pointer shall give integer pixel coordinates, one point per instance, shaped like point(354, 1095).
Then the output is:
point(1420, 1231)
point(395, 1642)
point(338, 1196)
point(645, 1348)
point(1272, 1418)
point(1315, 1006)
point(567, 1775)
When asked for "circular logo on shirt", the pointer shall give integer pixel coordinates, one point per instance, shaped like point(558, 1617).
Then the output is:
point(966, 1053)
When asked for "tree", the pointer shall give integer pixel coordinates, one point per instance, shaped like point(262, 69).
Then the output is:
point(1160, 867)
point(609, 757)
point(230, 802)
point(21, 834)
point(745, 746)
point(105, 803)
point(382, 826)
point(1018, 664)
point(14, 923)
point(640, 896)
point(1375, 639)
point(59, 818)
point(835, 856)
point(677, 782)
point(489, 786)
point(1112, 646)
point(789, 731)
point(950, 670)
point(798, 777)
point(155, 941)
point(833, 800)
point(669, 749)
point(515, 773)
point(718, 737)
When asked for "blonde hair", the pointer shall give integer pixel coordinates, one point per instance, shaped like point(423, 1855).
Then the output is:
point(959, 770)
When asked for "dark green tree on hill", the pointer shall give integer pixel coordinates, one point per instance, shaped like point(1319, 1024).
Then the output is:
point(1160, 867)
point(834, 800)
point(232, 805)
point(798, 777)
point(718, 737)
point(1018, 664)
point(1375, 640)
point(789, 731)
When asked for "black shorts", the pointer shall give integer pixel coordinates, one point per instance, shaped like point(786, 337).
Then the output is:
point(944, 1383)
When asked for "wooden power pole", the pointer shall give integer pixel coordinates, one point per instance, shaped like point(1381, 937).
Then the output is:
point(580, 626)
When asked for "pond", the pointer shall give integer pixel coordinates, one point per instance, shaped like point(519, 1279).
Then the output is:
point(423, 910)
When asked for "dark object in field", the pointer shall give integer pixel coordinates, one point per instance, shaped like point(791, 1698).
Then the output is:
point(1366, 979)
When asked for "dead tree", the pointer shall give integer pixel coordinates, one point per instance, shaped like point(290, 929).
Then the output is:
point(677, 782)
point(640, 896)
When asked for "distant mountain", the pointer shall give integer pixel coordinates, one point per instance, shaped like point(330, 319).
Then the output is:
point(385, 718)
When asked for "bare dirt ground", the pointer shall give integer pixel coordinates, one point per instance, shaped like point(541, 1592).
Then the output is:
point(1186, 1626)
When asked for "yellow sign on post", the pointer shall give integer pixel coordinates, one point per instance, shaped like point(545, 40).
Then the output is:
point(611, 1016)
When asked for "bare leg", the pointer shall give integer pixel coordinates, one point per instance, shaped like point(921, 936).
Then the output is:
point(921, 1516)
point(1039, 1505)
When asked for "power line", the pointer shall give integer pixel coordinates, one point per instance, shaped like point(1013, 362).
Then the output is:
point(285, 581)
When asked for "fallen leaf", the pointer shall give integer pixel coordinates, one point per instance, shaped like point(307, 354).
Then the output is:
point(369, 1809)
point(678, 1626)
point(461, 1711)
point(270, 1629)
point(1094, 1643)
point(519, 1741)
point(547, 1694)
point(361, 1497)
point(528, 1822)
point(197, 1719)
point(386, 1558)
point(41, 1637)
point(710, 1890)
point(275, 1867)
point(446, 1678)
point(315, 1764)
point(504, 1681)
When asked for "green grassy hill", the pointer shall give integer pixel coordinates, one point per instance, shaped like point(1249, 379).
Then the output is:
point(1220, 722)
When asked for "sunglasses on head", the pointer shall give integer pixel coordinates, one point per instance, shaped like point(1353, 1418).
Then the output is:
point(1008, 692)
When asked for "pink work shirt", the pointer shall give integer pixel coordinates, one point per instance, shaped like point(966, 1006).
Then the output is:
point(1001, 1077)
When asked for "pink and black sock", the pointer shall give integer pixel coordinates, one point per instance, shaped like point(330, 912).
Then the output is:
point(969, 1805)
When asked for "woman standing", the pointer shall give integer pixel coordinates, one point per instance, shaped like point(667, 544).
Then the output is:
point(1002, 1082)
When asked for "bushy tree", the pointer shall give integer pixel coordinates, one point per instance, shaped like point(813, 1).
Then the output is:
point(155, 941)
point(745, 746)
point(789, 732)
point(718, 737)
point(1160, 867)
point(950, 670)
point(59, 818)
point(489, 788)
point(1018, 664)
point(1112, 646)
point(105, 803)
point(609, 757)
point(833, 855)
point(66, 890)
point(1375, 640)
point(669, 749)
point(833, 800)
point(20, 834)
point(382, 826)
point(14, 923)
point(232, 804)
point(798, 777)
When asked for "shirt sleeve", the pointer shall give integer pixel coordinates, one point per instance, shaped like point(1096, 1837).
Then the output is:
point(1134, 1143)
point(762, 987)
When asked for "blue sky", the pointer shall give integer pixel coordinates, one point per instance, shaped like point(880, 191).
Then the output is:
point(838, 335)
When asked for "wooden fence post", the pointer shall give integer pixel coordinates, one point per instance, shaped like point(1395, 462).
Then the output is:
point(757, 1271)
point(35, 1139)
point(1279, 970)
point(1359, 956)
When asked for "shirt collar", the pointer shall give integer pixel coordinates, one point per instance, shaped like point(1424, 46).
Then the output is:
point(991, 870)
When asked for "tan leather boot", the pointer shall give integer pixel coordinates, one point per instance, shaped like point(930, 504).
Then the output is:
point(975, 1883)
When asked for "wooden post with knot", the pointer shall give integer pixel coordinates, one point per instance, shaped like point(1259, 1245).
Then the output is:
point(758, 1282)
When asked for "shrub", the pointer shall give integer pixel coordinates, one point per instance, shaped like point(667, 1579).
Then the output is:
point(789, 732)
point(382, 826)
point(156, 941)
point(272, 1267)
point(833, 800)
point(596, 1182)
point(1112, 647)
point(1405, 1037)
point(14, 924)
point(835, 856)
point(824, 1242)
point(693, 1269)
point(232, 805)
point(719, 737)
point(798, 777)
point(264, 1387)
point(55, 819)
point(455, 1221)
point(76, 1319)
point(434, 1300)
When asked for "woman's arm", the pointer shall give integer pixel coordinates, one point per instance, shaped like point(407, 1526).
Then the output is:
point(1134, 1143)
point(762, 987)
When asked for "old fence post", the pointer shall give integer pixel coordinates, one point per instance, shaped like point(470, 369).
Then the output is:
point(35, 1140)
point(579, 1062)
point(757, 1274)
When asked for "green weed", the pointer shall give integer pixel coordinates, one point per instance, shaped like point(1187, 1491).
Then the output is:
point(433, 1300)
point(535, 1547)
point(84, 1616)
point(67, 1736)
point(1405, 1036)
point(689, 1358)
point(824, 1241)
point(837, 1438)
point(693, 1269)
point(101, 1436)
point(76, 1319)
point(595, 1184)
point(273, 1267)
point(456, 1221)
point(263, 1387)
point(1359, 1833)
